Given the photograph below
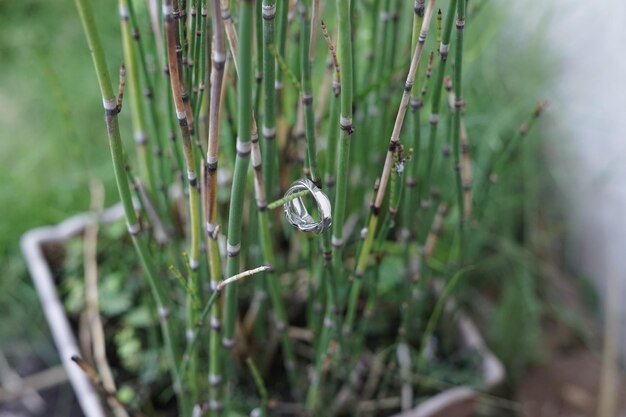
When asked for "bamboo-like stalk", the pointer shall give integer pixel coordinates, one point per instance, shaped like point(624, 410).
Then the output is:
point(258, 38)
point(264, 225)
point(424, 188)
point(315, 19)
point(210, 202)
point(416, 134)
point(204, 312)
point(269, 98)
point(327, 274)
point(265, 238)
point(138, 117)
point(465, 163)
point(307, 95)
point(282, 12)
point(191, 50)
point(229, 26)
point(181, 104)
point(379, 100)
point(345, 125)
point(117, 155)
point(202, 58)
point(182, 46)
point(458, 107)
point(178, 94)
point(395, 197)
point(244, 114)
point(150, 94)
point(333, 120)
point(394, 142)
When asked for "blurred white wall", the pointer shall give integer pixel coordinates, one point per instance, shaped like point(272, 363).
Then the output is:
point(588, 147)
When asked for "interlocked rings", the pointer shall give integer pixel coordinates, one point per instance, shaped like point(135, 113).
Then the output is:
point(296, 212)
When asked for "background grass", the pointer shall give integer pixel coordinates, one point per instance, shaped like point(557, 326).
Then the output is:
point(52, 142)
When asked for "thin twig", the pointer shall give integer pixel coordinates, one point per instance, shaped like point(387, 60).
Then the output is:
point(333, 54)
point(241, 275)
point(109, 395)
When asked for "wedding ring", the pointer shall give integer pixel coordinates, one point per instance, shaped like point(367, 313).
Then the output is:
point(297, 214)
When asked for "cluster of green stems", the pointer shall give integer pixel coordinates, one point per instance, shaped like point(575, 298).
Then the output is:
point(206, 102)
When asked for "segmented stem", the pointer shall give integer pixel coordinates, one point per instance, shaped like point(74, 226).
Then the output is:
point(244, 115)
point(117, 156)
point(424, 186)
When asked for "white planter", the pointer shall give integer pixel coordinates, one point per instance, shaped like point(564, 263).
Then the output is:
point(32, 248)
point(458, 401)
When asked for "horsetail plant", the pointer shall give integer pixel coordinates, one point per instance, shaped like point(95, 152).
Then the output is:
point(134, 228)
point(416, 104)
point(458, 105)
point(433, 119)
point(307, 338)
point(465, 163)
point(346, 131)
point(183, 114)
point(333, 118)
point(269, 97)
point(210, 210)
point(244, 114)
point(394, 141)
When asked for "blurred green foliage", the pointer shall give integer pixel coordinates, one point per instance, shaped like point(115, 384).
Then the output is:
point(52, 140)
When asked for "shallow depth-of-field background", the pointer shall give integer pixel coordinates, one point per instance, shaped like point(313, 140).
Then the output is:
point(53, 142)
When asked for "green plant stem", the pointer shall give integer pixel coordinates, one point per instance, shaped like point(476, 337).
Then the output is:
point(117, 155)
point(498, 159)
point(307, 95)
point(211, 212)
point(394, 143)
point(196, 334)
point(269, 99)
point(436, 314)
point(260, 385)
point(333, 134)
point(346, 130)
point(309, 122)
point(265, 238)
point(278, 203)
point(395, 196)
point(333, 118)
point(151, 96)
point(282, 11)
point(416, 104)
point(258, 38)
point(140, 132)
point(201, 58)
point(328, 276)
point(458, 106)
point(181, 105)
point(377, 105)
point(424, 187)
point(244, 115)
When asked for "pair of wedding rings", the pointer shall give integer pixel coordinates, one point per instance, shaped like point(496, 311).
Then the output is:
point(296, 212)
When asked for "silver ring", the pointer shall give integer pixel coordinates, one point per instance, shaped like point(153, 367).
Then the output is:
point(297, 214)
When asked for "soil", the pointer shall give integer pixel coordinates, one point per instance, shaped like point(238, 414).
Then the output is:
point(58, 400)
point(566, 387)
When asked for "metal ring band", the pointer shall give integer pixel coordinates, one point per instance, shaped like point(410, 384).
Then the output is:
point(297, 214)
